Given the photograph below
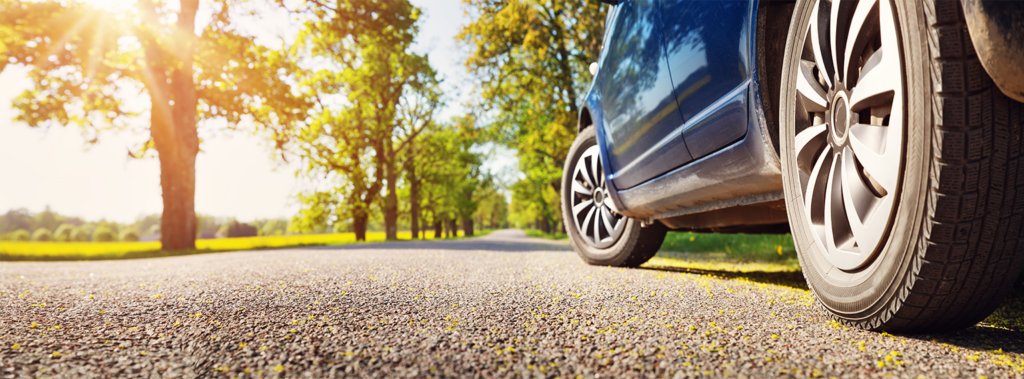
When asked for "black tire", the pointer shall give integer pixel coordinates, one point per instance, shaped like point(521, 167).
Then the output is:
point(952, 249)
point(636, 244)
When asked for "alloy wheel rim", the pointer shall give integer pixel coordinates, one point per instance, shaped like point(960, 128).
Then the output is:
point(592, 212)
point(850, 127)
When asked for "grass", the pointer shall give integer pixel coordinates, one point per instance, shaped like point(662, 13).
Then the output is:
point(775, 248)
point(737, 253)
point(551, 236)
point(65, 251)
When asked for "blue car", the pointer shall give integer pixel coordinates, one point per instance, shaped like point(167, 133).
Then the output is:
point(885, 135)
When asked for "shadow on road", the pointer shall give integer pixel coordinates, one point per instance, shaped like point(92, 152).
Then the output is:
point(786, 279)
point(983, 337)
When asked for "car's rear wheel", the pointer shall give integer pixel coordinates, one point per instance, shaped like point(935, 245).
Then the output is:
point(596, 231)
point(900, 162)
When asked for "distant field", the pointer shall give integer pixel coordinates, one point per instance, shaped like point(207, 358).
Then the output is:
point(60, 251)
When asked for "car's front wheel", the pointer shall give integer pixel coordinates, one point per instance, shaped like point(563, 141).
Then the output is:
point(599, 234)
point(900, 165)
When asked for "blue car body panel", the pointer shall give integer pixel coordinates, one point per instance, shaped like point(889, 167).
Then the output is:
point(666, 156)
point(637, 95)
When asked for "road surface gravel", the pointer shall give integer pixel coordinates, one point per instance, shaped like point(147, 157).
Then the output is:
point(498, 306)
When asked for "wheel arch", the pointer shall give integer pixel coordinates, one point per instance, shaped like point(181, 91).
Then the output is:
point(585, 119)
point(773, 20)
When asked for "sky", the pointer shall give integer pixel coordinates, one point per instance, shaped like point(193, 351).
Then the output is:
point(236, 174)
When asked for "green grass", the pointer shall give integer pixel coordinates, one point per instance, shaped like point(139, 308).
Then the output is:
point(755, 254)
point(71, 251)
point(776, 248)
point(551, 236)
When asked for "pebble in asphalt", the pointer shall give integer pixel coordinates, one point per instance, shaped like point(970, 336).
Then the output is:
point(502, 305)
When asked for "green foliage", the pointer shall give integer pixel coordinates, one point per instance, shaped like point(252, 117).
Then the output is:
point(42, 235)
point(492, 209)
point(236, 229)
point(531, 59)
point(374, 97)
point(103, 234)
point(64, 232)
point(129, 235)
point(274, 227)
point(540, 234)
point(319, 210)
point(20, 235)
point(79, 235)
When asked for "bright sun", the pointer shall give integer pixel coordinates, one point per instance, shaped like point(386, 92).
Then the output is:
point(111, 5)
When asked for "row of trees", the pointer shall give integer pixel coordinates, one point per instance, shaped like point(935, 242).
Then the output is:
point(530, 59)
point(372, 135)
point(22, 225)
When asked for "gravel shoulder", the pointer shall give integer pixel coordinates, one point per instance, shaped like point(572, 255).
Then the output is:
point(500, 305)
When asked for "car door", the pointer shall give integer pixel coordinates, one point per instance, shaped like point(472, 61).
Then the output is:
point(637, 97)
point(708, 53)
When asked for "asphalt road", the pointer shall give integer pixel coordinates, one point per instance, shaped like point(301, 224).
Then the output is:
point(502, 305)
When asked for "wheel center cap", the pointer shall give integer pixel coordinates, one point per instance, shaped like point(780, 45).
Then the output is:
point(840, 117)
point(598, 196)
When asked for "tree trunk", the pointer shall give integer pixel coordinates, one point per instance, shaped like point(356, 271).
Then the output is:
point(437, 229)
point(467, 226)
point(359, 218)
point(453, 227)
point(414, 202)
point(173, 129)
point(545, 225)
point(391, 198)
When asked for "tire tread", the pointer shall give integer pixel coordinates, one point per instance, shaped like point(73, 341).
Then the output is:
point(971, 239)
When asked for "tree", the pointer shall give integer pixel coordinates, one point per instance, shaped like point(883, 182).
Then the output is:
point(42, 235)
point(20, 235)
point(369, 79)
point(86, 62)
point(452, 177)
point(530, 58)
point(129, 235)
point(64, 232)
point(103, 233)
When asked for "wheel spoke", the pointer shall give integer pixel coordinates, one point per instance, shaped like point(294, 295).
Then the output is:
point(586, 221)
point(859, 205)
point(881, 76)
point(820, 42)
point(581, 170)
point(809, 89)
point(578, 208)
point(859, 30)
point(868, 143)
point(607, 218)
point(577, 187)
point(816, 184)
point(594, 161)
point(887, 29)
point(837, 228)
point(808, 143)
point(839, 23)
point(597, 225)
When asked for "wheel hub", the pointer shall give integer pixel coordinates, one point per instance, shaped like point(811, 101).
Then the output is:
point(839, 110)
